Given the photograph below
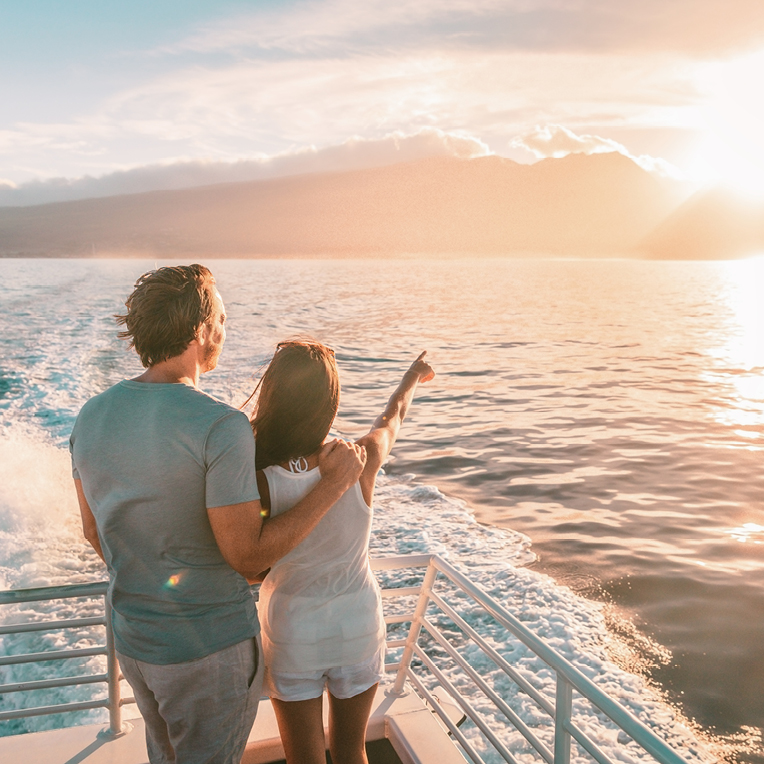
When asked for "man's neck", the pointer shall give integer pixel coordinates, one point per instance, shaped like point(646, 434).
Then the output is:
point(182, 369)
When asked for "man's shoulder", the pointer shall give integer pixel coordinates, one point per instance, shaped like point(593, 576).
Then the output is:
point(176, 391)
point(103, 398)
point(197, 412)
point(162, 399)
point(214, 407)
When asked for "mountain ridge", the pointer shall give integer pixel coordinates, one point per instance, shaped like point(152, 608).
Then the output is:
point(580, 205)
point(710, 223)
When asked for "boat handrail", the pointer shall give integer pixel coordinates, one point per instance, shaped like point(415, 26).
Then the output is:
point(560, 710)
point(113, 702)
point(568, 677)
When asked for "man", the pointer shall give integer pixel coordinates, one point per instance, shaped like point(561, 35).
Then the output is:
point(165, 477)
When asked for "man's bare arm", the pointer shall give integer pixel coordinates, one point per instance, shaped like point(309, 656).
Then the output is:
point(250, 544)
point(88, 521)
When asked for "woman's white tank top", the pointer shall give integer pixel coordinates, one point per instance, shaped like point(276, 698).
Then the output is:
point(320, 605)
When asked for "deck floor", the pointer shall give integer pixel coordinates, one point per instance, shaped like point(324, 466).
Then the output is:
point(377, 751)
point(397, 722)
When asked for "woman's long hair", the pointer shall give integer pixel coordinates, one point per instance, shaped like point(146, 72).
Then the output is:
point(296, 402)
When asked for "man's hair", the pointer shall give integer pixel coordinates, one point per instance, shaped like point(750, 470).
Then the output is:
point(166, 310)
point(296, 402)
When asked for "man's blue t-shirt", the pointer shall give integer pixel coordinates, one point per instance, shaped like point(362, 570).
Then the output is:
point(152, 459)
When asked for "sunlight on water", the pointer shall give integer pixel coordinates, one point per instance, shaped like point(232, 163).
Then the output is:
point(741, 356)
point(746, 279)
point(748, 533)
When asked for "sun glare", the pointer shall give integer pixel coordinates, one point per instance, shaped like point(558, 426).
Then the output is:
point(747, 347)
point(732, 149)
point(748, 533)
point(742, 355)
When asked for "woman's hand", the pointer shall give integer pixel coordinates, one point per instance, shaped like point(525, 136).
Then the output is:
point(422, 368)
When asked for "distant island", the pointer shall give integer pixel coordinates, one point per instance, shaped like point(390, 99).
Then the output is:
point(599, 205)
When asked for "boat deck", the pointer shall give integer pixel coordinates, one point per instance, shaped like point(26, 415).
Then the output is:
point(401, 729)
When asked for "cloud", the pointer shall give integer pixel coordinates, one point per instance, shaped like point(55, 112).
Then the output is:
point(659, 166)
point(315, 27)
point(275, 105)
point(243, 87)
point(338, 27)
point(257, 109)
point(558, 141)
point(355, 153)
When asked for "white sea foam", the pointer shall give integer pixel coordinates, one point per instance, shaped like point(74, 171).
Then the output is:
point(41, 544)
point(35, 480)
point(415, 519)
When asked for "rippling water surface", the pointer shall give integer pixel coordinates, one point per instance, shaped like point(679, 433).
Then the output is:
point(612, 411)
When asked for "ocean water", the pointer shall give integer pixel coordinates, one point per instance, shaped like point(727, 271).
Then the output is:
point(590, 451)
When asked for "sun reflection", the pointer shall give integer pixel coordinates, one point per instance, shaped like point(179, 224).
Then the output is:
point(748, 533)
point(741, 356)
point(746, 345)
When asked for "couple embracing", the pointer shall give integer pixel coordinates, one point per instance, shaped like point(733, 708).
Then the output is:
point(186, 508)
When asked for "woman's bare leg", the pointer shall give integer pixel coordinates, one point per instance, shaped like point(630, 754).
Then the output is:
point(302, 730)
point(348, 719)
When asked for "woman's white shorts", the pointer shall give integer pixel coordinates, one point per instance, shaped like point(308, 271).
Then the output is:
point(341, 681)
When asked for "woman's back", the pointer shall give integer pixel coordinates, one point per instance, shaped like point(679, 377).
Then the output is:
point(320, 604)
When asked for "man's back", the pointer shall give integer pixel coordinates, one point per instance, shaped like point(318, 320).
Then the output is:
point(153, 458)
point(165, 480)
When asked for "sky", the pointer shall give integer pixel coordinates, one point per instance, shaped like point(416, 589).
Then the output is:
point(100, 98)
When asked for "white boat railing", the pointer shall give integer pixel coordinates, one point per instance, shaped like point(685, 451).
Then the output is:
point(422, 640)
point(568, 677)
point(113, 702)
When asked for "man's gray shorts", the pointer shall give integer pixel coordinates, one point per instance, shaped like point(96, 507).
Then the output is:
point(200, 711)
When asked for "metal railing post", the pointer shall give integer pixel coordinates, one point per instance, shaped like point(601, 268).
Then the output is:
point(416, 627)
point(562, 713)
point(112, 670)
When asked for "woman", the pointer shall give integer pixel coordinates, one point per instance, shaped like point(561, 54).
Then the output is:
point(320, 607)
